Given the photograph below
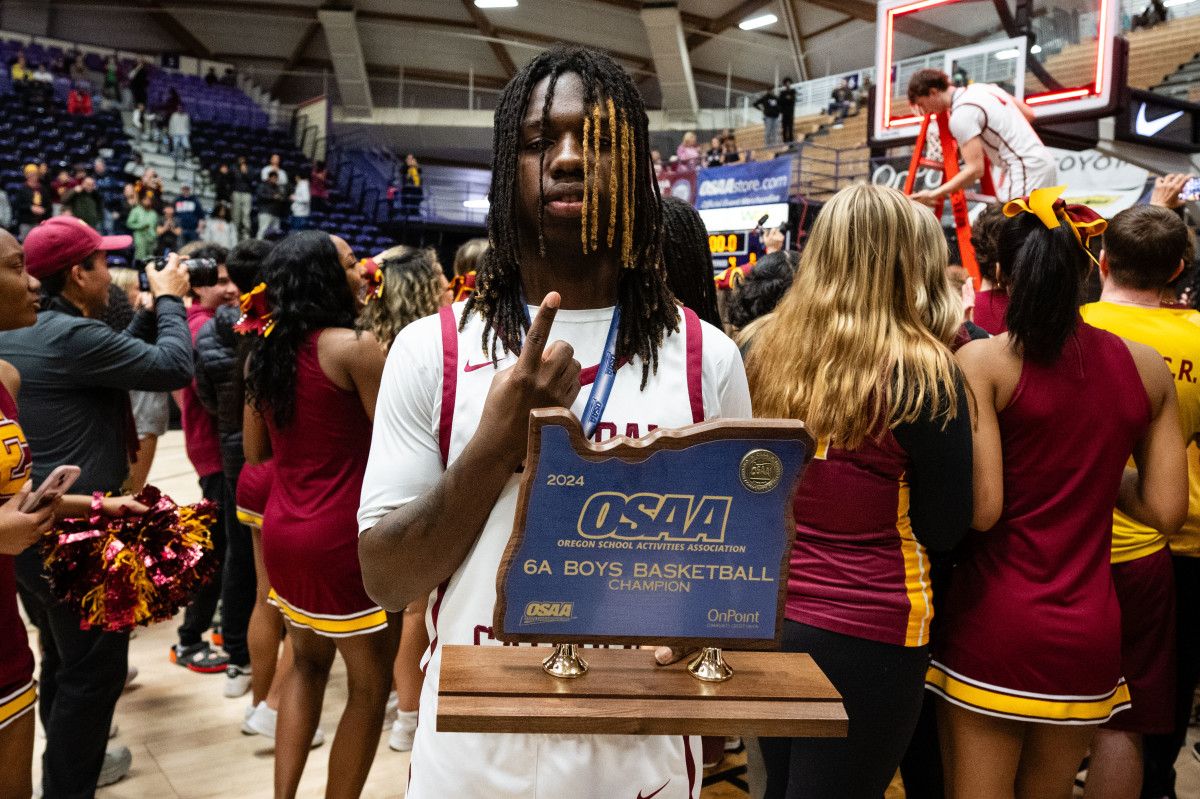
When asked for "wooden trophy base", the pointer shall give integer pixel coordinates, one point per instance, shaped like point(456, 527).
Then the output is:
point(624, 692)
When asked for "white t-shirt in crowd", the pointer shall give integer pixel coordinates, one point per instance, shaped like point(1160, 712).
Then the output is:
point(1011, 143)
point(279, 170)
point(406, 460)
point(219, 231)
point(301, 199)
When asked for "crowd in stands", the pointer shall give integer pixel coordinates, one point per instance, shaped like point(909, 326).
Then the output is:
point(994, 560)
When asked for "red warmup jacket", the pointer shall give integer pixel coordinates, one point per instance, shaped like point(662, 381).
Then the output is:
point(79, 103)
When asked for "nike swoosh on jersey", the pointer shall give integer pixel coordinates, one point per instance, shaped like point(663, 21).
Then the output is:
point(1149, 127)
point(471, 367)
point(656, 793)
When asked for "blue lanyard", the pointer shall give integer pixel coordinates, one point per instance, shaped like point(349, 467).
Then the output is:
point(606, 375)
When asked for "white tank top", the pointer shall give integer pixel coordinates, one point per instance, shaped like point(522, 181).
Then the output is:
point(1011, 143)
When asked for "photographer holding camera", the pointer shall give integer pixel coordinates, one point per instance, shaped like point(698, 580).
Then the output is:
point(76, 373)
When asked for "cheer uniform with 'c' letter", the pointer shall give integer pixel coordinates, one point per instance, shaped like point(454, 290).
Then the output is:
point(1032, 629)
point(309, 544)
point(17, 691)
point(430, 405)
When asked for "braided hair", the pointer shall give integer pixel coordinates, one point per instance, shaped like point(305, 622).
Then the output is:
point(688, 259)
point(648, 308)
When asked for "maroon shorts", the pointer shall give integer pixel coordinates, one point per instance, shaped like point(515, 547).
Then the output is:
point(1146, 591)
point(17, 692)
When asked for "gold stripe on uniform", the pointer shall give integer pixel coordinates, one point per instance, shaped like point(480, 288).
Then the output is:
point(17, 703)
point(916, 576)
point(249, 517)
point(368, 621)
point(1036, 707)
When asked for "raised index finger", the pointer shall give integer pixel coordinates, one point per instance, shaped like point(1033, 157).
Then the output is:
point(539, 332)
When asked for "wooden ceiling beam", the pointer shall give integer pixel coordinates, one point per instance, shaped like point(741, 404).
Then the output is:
point(297, 53)
point(485, 27)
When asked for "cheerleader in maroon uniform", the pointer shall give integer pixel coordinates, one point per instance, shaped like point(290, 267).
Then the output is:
point(848, 351)
point(311, 383)
point(18, 308)
point(1028, 658)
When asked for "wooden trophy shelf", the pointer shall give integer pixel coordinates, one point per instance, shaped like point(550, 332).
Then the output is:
point(505, 690)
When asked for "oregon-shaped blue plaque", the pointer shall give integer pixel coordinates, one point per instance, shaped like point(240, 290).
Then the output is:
point(681, 536)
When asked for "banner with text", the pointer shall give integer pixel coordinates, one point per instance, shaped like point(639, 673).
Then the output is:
point(754, 183)
point(1102, 182)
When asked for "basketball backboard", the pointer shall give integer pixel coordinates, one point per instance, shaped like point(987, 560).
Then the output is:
point(1057, 55)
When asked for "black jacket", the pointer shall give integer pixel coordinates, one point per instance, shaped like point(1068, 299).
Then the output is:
point(242, 181)
point(219, 386)
point(75, 377)
point(272, 200)
point(223, 185)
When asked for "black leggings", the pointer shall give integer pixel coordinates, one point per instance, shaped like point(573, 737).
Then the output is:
point(882, 687)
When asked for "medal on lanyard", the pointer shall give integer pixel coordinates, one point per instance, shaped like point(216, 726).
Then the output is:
point(606, 374)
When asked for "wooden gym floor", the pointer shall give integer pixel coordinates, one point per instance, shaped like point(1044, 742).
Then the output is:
point(187, 742)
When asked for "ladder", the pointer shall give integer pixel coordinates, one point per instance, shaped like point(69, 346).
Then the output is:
point(948, 166)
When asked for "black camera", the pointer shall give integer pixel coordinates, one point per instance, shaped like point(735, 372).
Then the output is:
point(202, 272)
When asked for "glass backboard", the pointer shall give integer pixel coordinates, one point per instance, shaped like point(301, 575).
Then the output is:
point(1057, 55)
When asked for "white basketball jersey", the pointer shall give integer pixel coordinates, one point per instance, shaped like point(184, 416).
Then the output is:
point(430, 405)
point(1011, 143)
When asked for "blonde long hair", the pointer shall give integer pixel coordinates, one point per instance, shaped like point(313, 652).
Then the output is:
point(846, 348)
point(412, 290)
point(941, 312)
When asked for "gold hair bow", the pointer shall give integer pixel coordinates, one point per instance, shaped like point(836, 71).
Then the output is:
point(256, 313)
point(1047, 206)
point(374, 275)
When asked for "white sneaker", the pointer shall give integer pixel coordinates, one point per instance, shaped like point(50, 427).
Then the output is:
point(403, 730)
point(116, 765)
point(262, 722)
point(247, 714)
point(237, 681)
point(390, 711)
point(130, 675)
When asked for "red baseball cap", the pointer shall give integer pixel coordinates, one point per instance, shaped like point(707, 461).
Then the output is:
point(64, 241)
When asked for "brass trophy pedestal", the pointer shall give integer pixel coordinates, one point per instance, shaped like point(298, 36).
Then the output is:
point(506, 690)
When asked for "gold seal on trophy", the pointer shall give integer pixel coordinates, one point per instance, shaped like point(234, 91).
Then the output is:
point(761, 470)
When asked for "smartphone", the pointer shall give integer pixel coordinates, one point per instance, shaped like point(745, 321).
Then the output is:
point(1191, 191)
point(53, 487)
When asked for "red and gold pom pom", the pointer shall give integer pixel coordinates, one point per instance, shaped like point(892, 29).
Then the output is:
point(256, 313)
point(374, 276)
point(118, 572)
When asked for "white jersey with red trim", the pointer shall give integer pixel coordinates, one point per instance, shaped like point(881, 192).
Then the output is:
point(1011, 143)
point(419, 416)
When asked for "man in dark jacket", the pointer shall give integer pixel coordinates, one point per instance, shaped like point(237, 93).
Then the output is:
point(223, 184)
point(189, 213)
point(272, 205)
point(76, 373)
point(787, 110)
point(30, 203)
point(112, 200)
point(219, 386)
point(84, 202)
point(242, 197)
point(769, 105)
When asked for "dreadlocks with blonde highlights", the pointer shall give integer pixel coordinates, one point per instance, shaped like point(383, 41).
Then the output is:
point(648, 309)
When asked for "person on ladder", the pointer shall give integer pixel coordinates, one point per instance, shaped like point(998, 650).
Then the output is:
point(989, 124)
